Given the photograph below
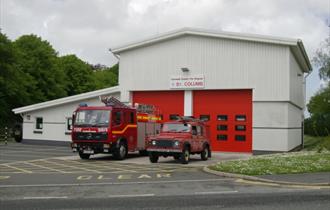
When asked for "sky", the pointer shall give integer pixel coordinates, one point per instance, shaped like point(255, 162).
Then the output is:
point(88, 28)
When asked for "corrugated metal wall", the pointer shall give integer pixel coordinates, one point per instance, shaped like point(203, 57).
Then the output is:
point(226, 64)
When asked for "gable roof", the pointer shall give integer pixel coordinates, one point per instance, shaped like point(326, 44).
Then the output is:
point(66, 100)
point(296, 45)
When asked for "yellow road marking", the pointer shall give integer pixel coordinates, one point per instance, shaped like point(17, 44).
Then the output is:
point(44, 167)
point(123, 131)
point(18, 169)
point(70, 166)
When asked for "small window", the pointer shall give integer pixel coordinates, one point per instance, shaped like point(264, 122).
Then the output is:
point(240, 118)
point(240, 127)
point(174, 116)
point(39, 123)
point(116, 118)
point(199, 130)
point(204, 117)
point(222, 117)
point(221, 137)
point(131, 117)
point(240, 138)
point(222, 127)
point(69, 124)
point(194, 130)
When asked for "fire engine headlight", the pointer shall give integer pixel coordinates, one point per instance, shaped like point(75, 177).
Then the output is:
point(153, 142)
point(176, 143)
point(106, 146)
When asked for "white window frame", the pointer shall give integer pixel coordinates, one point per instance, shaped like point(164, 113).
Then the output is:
point(42, 124)
point(67, 124)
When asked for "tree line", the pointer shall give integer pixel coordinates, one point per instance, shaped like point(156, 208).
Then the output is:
point(31, 71)
point(318, 124)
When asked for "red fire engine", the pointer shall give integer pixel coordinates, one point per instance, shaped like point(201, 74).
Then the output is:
point(115, 128)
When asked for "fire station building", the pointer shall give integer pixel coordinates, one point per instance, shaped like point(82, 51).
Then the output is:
point(250, 88)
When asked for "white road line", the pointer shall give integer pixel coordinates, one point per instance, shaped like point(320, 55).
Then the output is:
point(216, 192)
point(16, 168)
point(131, 196)
point(48, 197)
point(115, 183)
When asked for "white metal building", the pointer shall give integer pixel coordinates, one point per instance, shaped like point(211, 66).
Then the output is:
point(249, 87)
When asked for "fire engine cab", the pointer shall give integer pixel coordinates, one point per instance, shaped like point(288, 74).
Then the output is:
point(115, 128)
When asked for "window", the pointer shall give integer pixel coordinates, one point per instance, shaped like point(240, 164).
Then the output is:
point(204, 117)
point(194, 130)
point(174, 116)
point(240, 138)
point(240, 127)
point(240, 118)
point(221, 137)
point(116, 120)
point(131, 117)
point(222, 127)
point(222, 117)
point(69, 124)
point(200, 130)
point(39, 123)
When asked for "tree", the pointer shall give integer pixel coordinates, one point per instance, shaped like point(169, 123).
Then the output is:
point(79, 74)
point(322, 59)
point(106, 77)
point(319, 105)
point(14, 82)
point(37, 58)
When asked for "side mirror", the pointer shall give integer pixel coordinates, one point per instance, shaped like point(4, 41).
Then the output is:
point(73, 118)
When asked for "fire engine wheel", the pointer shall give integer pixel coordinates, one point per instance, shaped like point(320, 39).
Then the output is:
point(185, 156)
point(153, 157)
point(205, 153)
point(120, 152)
point(84, 156)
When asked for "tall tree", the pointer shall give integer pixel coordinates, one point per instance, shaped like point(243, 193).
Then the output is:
point(322, 59)
point(79, 74)
point(38, 59)
point(105, 76)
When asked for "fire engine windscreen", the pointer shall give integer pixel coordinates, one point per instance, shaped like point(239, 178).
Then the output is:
point(92, 118)
point(176, 127)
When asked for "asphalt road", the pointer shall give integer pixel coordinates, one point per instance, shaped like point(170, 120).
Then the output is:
point(48, 177)
point(298, 200)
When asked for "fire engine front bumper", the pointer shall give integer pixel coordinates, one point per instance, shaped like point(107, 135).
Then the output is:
point(92, 147)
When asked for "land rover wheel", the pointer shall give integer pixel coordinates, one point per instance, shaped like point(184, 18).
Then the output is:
point(84, 156)
point(121, 151)
point(153, 157)
point(205, 153)
point(185, 156)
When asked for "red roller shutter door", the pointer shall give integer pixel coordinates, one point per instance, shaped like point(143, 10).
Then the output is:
point(169, 102)
point(230, 113)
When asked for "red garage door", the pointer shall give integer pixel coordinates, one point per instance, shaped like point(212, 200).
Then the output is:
point(230, 118)
point(170, 103)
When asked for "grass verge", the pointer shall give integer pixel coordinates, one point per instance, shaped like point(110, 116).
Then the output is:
point(283, 163)
point(316, 143)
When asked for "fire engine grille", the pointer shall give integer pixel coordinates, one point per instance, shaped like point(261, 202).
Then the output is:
point(91, 136)
point(164, 143)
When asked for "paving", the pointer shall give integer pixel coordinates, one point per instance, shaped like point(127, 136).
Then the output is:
point(312, 178)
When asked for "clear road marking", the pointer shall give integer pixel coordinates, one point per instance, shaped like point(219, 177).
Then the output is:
point(131, 196)
point(18, 169)
point(102, 166)
point(216, 192)
point(70, 166)
point(44, 167)
point(48, 197)
point(115, 183)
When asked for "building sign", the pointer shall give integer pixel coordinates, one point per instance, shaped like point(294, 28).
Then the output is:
point(187, 82)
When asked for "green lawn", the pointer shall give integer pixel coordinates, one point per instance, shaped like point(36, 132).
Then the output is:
point(283, 163)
